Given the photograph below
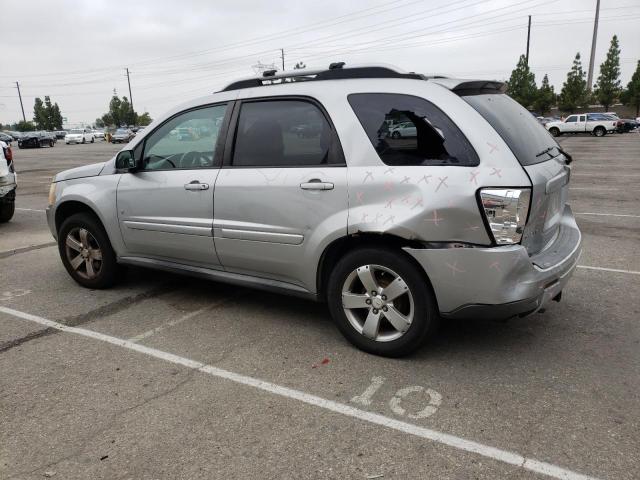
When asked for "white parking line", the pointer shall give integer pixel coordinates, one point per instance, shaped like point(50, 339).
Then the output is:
point(459, 443)
point(172, 323)
point(602, 269)
point(30, 210)
point(607, 214)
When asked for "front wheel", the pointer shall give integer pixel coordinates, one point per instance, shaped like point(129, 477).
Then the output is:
point(86, 252)
point(381, 302)
point(396, 135)
point(51, 143)
point(554, 131)
point(599, 132)
point(92, 139)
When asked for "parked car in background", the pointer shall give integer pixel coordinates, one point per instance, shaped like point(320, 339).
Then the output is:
point(405, 129)
point(598, 124)
point(8, 183)
point(122, 135)
point(60, 134)
point(626, 125)
point(51, 135)
point(79, 135)
point(6, 138)
point(15, 135)
point(35, 140)
point(98, 134)
point(544, 120)
point(392, 235)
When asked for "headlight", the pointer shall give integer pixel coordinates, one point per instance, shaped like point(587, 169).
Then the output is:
point(505, 210)
point(52, 194)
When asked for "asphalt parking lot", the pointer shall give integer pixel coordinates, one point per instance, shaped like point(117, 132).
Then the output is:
point(172, 377)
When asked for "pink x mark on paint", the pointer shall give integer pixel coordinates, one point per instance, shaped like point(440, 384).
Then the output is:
point(436, 219)
point(474, 177)
point(493, 147)
point(418, 203)
point(425, 178)
point(389, 170)
point(368, 175)
point(495, 266)
point(359, 196)
point(406, 198)
point(388, 186)
point(390, 219)
point(496, 171)
point(454, 268)
point(378, 217)
point(406, 180)
point(390, 203)
point(364, 217)
point(443, 181)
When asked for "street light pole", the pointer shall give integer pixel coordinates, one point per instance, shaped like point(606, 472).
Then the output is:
point(593, 46)
point(24, 118)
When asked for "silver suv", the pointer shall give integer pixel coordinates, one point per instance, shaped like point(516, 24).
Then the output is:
point(295, 183)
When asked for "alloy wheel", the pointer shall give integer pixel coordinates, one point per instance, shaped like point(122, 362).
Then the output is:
point(377, 303)
point(83, 253)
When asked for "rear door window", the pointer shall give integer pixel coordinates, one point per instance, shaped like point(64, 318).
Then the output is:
point(524, 135)
point(409, 130)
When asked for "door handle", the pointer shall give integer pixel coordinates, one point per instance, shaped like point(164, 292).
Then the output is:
point(316, 184)
point(196, 185)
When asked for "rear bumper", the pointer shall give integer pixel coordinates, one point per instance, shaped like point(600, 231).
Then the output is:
point(501, 282)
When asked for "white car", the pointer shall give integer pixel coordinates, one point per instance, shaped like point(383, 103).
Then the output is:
point(8, 183)
point(599, 124)
point(79, 135)
point(98, 134)
point(404, 129)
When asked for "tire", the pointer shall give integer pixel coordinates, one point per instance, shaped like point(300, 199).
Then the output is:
point(416, 302)
point(6, 211)
point(599, 131)
point(105, 268)
point(93, 139)
point(83, 141)
point(554, 131)
point(396, 135)
point(51, 144)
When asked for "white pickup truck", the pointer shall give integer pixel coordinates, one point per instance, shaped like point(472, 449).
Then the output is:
point(598, 124)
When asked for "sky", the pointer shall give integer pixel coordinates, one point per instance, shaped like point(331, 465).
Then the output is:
point(77, 51)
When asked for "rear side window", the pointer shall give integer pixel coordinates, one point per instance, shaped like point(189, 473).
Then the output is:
point(408, 130)
point(283, 133)
point(518, 128)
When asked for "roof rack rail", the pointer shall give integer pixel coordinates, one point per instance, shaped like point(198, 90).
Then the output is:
point(336, 71)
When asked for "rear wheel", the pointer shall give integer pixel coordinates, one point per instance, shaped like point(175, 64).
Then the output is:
point(6, 211)
point(381, 302)
point(93, 139)
point(51, 143)
point(396, 135)
point(554, 131)
point(86, 252)
point(599, 132)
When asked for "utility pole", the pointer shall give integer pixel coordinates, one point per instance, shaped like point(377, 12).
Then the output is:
point(528, 39)
point(21, 106)
point(593, 46)
point(282, 56)
point(130, 97)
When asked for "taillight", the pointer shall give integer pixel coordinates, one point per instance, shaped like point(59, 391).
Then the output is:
point(505, 210)
point(8, 154)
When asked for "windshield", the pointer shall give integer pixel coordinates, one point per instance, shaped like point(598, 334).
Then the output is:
point(121, 132)
point(518, 128)
point(75, 131)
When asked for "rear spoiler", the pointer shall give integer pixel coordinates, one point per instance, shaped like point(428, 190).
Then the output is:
point(471, 87)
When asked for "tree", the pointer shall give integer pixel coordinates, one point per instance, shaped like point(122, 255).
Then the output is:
point(607, 88)
point(23, 126)
point(120, 112)
point(574, 92)
point(144, 119)
point(522, 84)
point(631, 95)
point(545, 97)
point(39, 113)
point(99, 123)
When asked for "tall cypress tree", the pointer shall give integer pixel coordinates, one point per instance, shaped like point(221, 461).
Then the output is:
point(522, 84)
point(607, 88)
point(39, 113)
point(546, 97)
point(631, 95)
point(574, 90)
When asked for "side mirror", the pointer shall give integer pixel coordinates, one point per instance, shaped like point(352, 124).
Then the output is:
point(126, 161)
